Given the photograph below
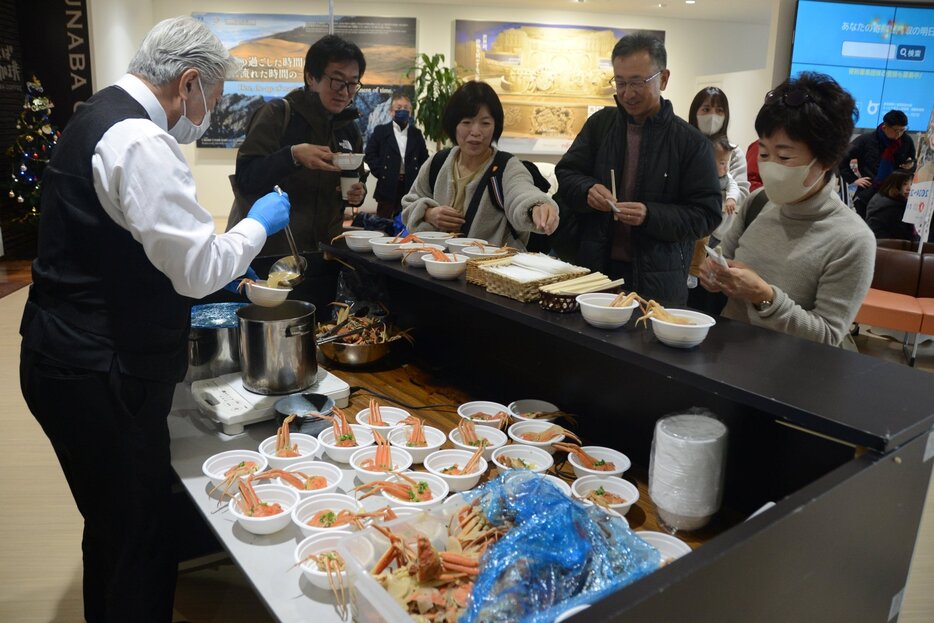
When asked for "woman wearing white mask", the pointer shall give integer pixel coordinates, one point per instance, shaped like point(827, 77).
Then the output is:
point(804, 265)
point(710, 113)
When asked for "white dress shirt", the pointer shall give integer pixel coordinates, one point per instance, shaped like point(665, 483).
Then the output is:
point(145, 185)
point(402, 139)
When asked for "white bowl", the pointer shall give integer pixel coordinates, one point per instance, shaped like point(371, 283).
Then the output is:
point(518, 407)
point(539, 461)
point(486, 252)
point(363, 435)
point(681, 335)
point(216, 466)
point(516, 431)
point(361, 549)
point(596, 310)
point(307, 447)
point(411, 256)
point(445, 270)
point(347, 162)
point(401, 461)
point(562, 486)
point(264, 296)
point(438, 461)
point(435, 237)
point(620, 462)
point(434, 437)
point(286, 497)
point(456, 245)
point(470, 410)
point(611, 484)
point(495, 439)
point(306, 509)
point(670, 547)
point(567, 614)
point(439, 489)
point(386, 248)
point(393, 417)
point(359, 241)
point(328, 471)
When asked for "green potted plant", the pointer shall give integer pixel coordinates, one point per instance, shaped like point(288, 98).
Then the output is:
point(434, 84)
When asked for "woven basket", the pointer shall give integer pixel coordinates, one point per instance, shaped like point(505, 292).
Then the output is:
point(566, 303)
point(524, 291)
point(474, 275)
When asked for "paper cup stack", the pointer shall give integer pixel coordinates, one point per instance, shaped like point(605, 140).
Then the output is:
point(686, 469)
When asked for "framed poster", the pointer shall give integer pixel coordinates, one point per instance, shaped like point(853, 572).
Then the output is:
point(273, 49)
point(550, 78)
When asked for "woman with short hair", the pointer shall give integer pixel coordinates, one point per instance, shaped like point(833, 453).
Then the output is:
point(473, 119)
point(804, 264)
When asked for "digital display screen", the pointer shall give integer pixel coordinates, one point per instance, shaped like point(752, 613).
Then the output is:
point(882, 54)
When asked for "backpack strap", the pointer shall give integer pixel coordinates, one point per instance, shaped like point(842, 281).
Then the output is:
point(754, 207)
point(497, 196)
point(435, 167)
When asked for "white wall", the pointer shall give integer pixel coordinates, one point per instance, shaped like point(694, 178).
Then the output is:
point(736, 53)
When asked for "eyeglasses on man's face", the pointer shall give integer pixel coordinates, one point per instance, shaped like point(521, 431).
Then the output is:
point(637, 84)
point(337, 85)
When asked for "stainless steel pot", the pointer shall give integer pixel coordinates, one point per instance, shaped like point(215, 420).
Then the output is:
point(213, 341)
point(277, 347)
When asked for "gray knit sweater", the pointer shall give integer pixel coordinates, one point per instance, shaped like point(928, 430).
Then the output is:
point(489, 224)
point(817, 255)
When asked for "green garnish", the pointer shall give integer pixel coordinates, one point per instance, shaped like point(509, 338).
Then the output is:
point(422, 486)
point(599, 491)
point(599, 463)
point(327, 519)
point(347, 437)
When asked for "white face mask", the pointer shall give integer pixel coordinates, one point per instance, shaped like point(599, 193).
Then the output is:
point(185, 131)
point(785, 185)
point(710, 124)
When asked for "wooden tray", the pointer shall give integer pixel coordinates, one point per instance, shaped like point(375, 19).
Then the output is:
point(524, 291)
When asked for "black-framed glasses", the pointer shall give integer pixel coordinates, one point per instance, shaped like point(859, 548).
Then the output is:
point(796, 98)
point(339, 85)
point(635, 85)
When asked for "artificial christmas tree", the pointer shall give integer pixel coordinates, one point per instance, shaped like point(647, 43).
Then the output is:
point(31, 152)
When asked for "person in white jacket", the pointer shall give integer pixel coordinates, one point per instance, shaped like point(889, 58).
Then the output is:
point(710, 113)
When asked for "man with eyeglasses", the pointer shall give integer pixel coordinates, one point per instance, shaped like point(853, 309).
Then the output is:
point(877, 155)
point(291, 143)
point(667, 193)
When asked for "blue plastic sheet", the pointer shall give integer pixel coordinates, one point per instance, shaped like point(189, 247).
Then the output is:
point(557, 555)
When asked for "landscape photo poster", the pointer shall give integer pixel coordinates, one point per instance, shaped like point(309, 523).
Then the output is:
point(550, 78)
point(273, 47)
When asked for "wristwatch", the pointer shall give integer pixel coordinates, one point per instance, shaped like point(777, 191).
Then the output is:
point(763, 305)
point(531, 209)
point(294, 160)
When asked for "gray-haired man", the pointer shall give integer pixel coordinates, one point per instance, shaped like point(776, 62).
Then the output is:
point(124, 247)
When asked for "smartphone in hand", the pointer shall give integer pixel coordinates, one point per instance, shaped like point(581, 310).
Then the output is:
point(716, 256)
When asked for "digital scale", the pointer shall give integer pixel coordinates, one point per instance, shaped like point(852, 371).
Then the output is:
point(226, 401)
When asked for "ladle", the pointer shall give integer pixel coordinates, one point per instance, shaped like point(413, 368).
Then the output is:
point(294, 263)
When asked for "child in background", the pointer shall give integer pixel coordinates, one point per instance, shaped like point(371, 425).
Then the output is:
point(729, 189)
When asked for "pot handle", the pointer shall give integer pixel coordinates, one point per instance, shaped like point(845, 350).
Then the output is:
point(299, 329)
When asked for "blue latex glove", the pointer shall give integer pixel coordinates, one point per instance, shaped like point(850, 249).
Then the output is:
point(272, 212)
point(233, 285)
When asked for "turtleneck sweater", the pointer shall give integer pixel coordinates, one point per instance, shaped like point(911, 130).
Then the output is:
point(818, 256)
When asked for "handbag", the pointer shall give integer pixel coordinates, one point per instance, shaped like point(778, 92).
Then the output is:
point(242, 203)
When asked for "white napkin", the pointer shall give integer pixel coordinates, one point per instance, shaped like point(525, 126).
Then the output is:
point(542, 263)
point(518, 273)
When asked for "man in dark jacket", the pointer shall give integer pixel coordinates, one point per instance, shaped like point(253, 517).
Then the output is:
point(878, 154)
point(296, 154)
point(663, 171)
point(384, 156)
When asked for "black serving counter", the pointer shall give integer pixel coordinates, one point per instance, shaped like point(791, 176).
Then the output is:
point(839, 441)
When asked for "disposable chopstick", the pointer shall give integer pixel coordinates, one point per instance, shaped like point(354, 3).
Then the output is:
point(575, 281)
point(613, 183)
point(594, 288)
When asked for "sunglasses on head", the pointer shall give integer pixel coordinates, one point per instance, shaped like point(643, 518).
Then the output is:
point(795, 98)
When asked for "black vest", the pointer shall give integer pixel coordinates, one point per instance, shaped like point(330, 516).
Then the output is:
point(96, 299)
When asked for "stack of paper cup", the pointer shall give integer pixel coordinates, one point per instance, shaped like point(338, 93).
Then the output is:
point(686, 469)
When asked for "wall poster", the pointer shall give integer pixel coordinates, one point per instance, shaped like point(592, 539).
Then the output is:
point(550, 78)
point(273, 48)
